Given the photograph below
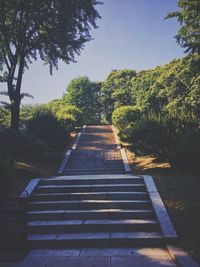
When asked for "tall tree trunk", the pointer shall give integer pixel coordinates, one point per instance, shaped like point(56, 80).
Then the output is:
point(16, 97)
point(15, 109)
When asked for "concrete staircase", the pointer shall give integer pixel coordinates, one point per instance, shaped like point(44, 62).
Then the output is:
point(94, 162)
point(92, 211)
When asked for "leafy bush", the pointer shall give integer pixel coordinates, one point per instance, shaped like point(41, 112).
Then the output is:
point(124, 119)
point(26, 113)
point(48, 128)
point(67, 121)
point(151, 131)
point(72, 113)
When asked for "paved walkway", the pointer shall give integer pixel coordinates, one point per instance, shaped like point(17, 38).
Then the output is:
point(96, 152)
point(105, 257)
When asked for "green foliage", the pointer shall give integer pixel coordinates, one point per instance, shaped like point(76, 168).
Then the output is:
point(189, 18)
point(177, 139)
point(116, 91)
point(48, 128)
point(4, 118)
point(72, 112)
point(160, 131)
point(55, 105)
point(84, 94)
point(142, 89)
point(26, 113)
point(124, 119)
point(173, 88)
point(67, 121)
point(53, 30)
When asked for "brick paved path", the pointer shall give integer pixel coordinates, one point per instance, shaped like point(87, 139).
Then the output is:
point(96, 153)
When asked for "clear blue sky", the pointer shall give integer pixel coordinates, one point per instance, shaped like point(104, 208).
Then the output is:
point(131, 34)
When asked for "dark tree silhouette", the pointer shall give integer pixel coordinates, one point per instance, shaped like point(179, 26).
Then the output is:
point(50, 29)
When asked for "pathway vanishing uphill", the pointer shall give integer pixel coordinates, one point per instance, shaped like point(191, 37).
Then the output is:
point(96, 152)
point(96, 214)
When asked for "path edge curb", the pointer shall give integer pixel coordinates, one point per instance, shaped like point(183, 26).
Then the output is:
point(69, 151)
point(162, 215)
point(181, 257)
point(127, 167)
point(28, 190)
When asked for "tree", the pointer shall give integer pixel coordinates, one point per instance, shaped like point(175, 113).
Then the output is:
point(84, 94)
point(189, 17)
point(116, 91)
point(50, 29)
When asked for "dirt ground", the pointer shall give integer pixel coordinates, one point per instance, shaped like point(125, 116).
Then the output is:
point(180, 192)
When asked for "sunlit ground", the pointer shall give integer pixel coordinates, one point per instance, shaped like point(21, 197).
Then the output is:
point(180, 191)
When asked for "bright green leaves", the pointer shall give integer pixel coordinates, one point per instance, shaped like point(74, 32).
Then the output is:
point(189, 18)
point(116, 91)
point(84, 94)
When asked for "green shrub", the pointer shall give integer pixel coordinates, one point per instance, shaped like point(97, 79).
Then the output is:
point(26, 113)
point(72, 114)
point(159, 132)
point(151, 131)
point(48, 128)
point(124, 119)
point(67, 121)
point(162, 130)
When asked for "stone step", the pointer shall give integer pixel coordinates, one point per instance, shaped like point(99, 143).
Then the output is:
point(103, 239)
point(82, 226)
point(91, 195)
point(90, 204)
point(91, 181)
point(104, 214)
point(68, 171)
point(90, 188)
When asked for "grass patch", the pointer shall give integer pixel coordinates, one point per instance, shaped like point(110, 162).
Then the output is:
point(180, 192)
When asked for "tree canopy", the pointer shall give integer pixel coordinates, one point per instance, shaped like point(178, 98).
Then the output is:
point(50, 29)
point(84, 94)
point(189, 18)
point(116, 91)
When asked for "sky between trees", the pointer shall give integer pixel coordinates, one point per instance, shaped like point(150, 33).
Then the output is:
point(132, 34)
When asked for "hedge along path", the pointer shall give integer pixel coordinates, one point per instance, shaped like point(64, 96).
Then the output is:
point(96, 152)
